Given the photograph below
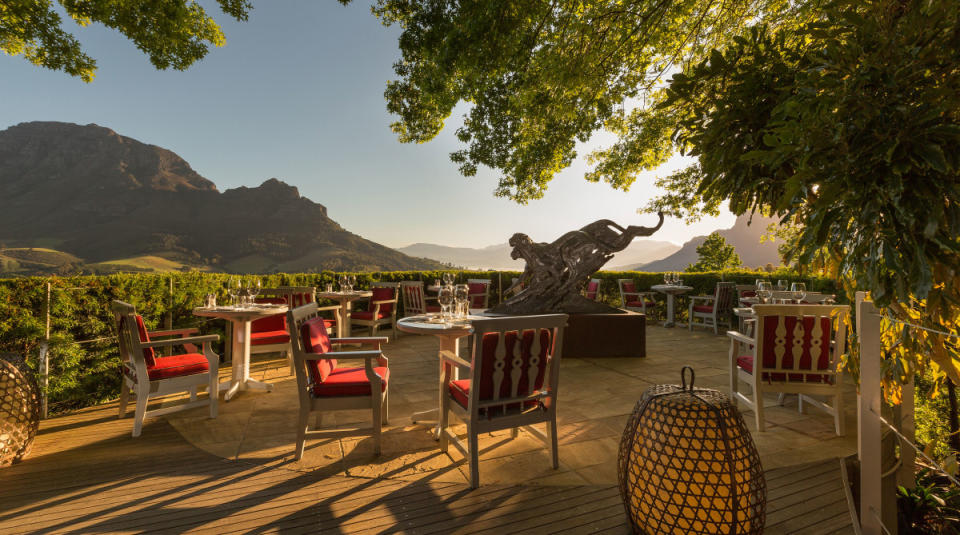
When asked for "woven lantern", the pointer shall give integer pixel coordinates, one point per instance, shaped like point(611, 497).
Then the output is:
point(19, 413)
point(687, 464)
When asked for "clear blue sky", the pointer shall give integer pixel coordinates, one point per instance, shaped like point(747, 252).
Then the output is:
point(297, 94)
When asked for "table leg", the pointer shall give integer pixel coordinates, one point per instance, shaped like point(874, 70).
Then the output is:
point(241, 363)
point(669, 322)
point(447, 343)
point(346, 306)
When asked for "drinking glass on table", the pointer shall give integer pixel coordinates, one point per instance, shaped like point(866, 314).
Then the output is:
point(254, 290)
point(764, 291)
point(447, 279)
point(445, 298)
point(666, 277)
point(343, 283)
point(233, 290)
point(799, 290)
point(352, 282)
point(461, 296)
point(782, 285)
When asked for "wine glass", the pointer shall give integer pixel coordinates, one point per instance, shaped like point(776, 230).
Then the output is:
point(445, 298)
point(461, 296)
point(782, 285)
point(764, 291)
point(666, 277)
point(231, 290)
point(799, 290)
point(447, 279)
point(674, 277)
point(254, 290)
point(343, 283)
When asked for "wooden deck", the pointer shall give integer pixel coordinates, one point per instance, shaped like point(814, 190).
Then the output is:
point(87, 475)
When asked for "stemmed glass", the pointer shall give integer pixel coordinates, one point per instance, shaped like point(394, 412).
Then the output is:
point(232, 289)
point(447, 279)
point(343, 283)
point(445, 298)
point(764, 291)
point(352, 282)
point(666, 277)
point(782, 285)
point(799, 290)
point(461, 295)
point(254, 290)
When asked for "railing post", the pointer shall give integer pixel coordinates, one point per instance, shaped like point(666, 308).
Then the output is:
point(869, 403)
point(45, 355)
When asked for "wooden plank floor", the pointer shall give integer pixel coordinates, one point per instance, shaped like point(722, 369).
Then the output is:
point(87, 475)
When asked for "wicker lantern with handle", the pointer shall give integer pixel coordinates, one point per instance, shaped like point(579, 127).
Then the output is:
point(19, 411)
point(687, 464)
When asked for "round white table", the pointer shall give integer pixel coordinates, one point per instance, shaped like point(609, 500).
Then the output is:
point(240, 319)
point(345, 300)
point(671, 292)
point(449, 335)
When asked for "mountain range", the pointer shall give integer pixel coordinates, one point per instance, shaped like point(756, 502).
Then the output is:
point(498, 256)
point(116, 203)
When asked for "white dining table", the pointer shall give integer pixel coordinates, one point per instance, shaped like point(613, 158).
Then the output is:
point(240, 319)
point(671, 291)
point(448, 335)
point(345, 300)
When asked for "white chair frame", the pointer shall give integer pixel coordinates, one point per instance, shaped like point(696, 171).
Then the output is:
point(414, 298)
point(741, 344)
point(136, 379)
point(373, 323)
point(486, 292)
point(512, 419)
point(599, 283)
point(640, 296)
point(377, 401)
point(286, 292)
point(722, 311)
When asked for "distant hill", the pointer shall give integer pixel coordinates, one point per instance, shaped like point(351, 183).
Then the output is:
point(745, 238)
point(498, 256)
point(116, 203)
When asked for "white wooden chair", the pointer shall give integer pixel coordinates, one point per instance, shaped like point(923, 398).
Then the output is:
point(516, 363)
point(415, 299)
point(323, 386)
point(382, 309)
point(713, 310)
point(146, 374)
point(479, 293)
point(269, 335)
point(634, 300)
point(593, 289)
point(796, 350)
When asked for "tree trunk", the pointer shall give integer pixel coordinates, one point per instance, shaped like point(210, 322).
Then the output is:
point(954, 419)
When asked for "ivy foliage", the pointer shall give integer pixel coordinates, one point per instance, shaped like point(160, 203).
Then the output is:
point(173, 33)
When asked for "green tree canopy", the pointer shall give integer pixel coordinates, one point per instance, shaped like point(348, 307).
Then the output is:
point(715, 254)
point(540, 76)
point(173, 33)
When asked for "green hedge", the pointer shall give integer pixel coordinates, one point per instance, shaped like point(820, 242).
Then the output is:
point(84, 363)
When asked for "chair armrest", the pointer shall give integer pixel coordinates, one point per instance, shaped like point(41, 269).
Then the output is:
point(740, 337)
point(394, 300)
point(368, 340)
point(631, 296)
point(181, 341)
point(448, 356)
point(702, 298)
point(173, 332)
point(326, 308)
point(366, 355)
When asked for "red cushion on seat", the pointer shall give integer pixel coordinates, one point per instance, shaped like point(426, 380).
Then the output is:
point(460, 392)
point(478, 293)
point(748, 293)
point(313, 335)
point(277, 322)
point(382, 294)
point(592, 290)
point(148, 353)
point(178, 366)
point(350, 382)
point(746, 363)
point(628, 288)
point(706, 309)
point(433, 308)
point(639, 304)
point(368, 315)
point(269, 338)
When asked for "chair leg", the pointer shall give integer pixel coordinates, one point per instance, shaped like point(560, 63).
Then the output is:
point(474, 449)
point(213, 394)
point(514, 432)
point(385, 407)
point(839, 416)
point(293, 369)
point(444, 420)
point(302, 420)
point(758, 408)
point(318, 420)
point(377, 423)
point(554, 445)
point(124, 397)
point(193, 393)
point(715, 325)
point(140, 413)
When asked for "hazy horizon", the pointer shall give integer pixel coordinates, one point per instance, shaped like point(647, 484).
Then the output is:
point(300, 98)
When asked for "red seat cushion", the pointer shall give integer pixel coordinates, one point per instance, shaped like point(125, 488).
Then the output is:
point(433, 308)
point(382, 294)
point(460, 392)
point(148, 353)
point(592, 290)
point(639, 304)
point(478, 293)
point(706, 309)
point(178, 366)
point(350, 382)
point(368, 315)
point(277, 322)
point(746, 363)
point(313, 335)
point(269, 338)
point(748, 293)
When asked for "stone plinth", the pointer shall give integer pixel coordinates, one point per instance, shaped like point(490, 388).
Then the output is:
point(622, 334)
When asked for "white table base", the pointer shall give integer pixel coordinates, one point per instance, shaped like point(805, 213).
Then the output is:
point(240, 353)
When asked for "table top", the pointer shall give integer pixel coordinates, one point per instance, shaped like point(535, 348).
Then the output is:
point(234, 313)
point(356, 294)
point(430, 324)
point(670, 288)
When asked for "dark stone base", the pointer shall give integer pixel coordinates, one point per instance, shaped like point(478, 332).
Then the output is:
point(605, 335)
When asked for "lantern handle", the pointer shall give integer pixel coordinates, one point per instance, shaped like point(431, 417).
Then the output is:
point(683, 378)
